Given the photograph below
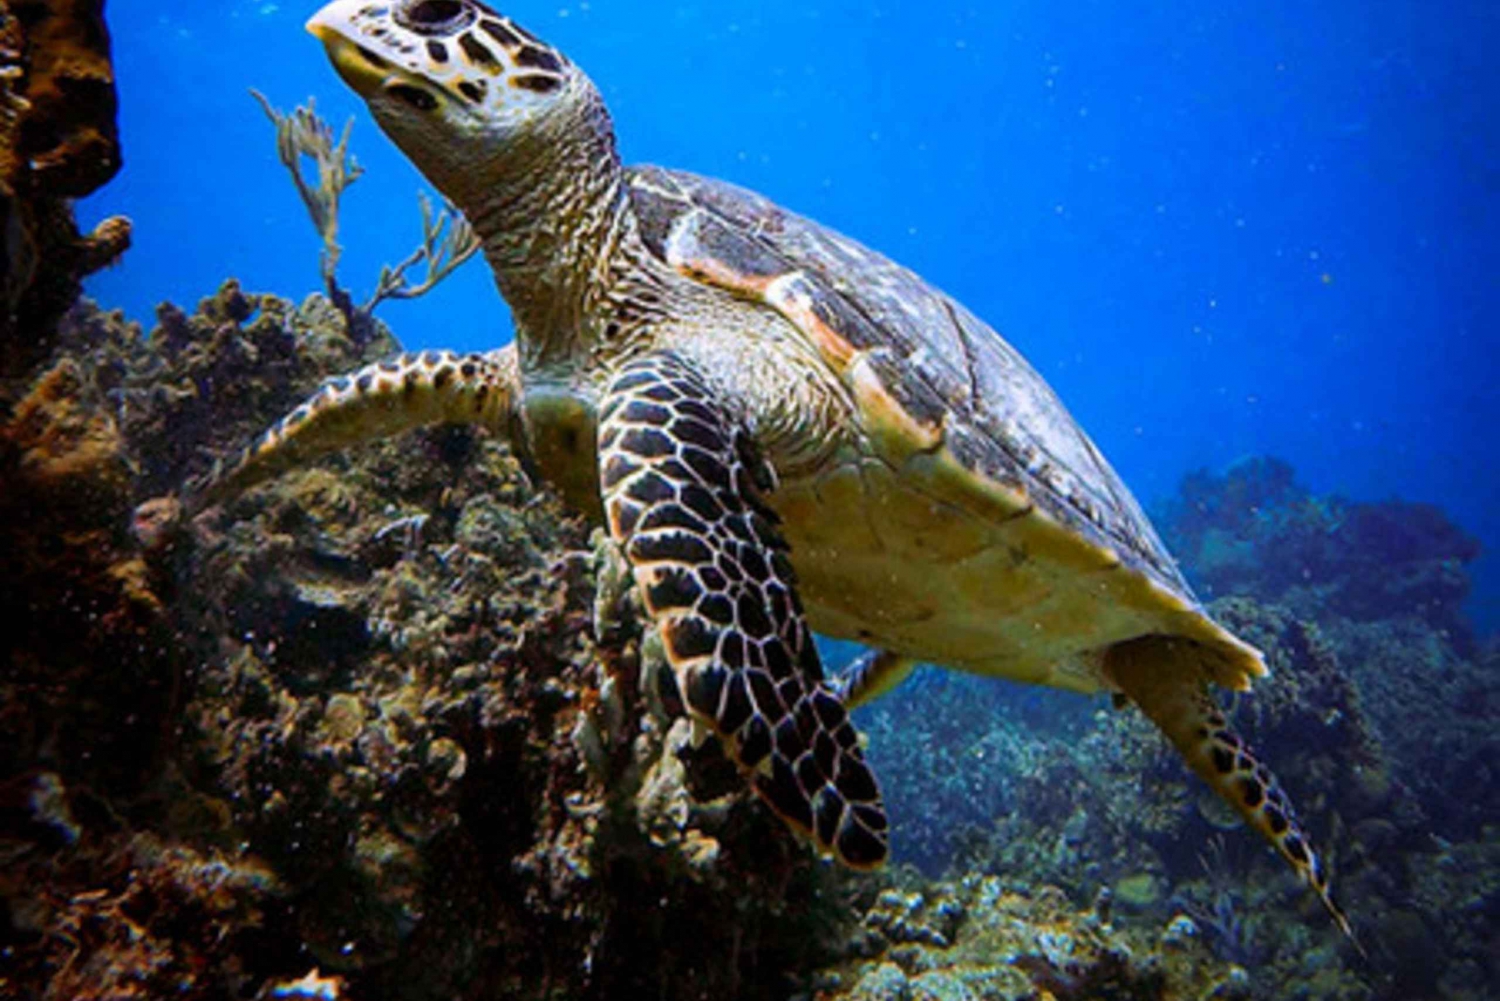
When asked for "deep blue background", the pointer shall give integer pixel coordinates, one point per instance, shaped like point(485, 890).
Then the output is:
point(1217, 230)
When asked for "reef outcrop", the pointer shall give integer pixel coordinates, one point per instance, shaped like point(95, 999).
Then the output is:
point(58, 141)
point(999, 939)
point(1254, 530)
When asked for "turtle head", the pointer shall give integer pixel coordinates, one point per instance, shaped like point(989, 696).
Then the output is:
point(458, 87)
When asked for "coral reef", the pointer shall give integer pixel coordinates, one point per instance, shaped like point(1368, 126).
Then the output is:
point(75, 591)
point(1384, 582)
point(132, 916)
point(180, 394)
point(984, 937)
point(58, 141)
point(1086, 799)
point(393, 712)
point(397, 709)
point(388, 726)
point(1255, 531)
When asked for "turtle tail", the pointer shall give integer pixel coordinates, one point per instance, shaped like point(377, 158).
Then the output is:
point(408, 391)
point(1164, 677)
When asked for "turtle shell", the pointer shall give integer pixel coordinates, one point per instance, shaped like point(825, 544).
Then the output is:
point(947, 371)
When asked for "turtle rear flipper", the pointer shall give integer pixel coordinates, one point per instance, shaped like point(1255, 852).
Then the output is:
point(408, 391)
point(873, 674)
point(1165, 678)
point(682, 502)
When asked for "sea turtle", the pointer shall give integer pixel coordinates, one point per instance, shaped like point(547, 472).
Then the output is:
point(780, 429)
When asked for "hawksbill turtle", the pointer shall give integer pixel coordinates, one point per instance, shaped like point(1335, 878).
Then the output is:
point(780, 429)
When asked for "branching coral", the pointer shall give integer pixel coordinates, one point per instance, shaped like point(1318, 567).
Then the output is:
point(447, 238)
point(304, 134)
point(1219, 909)
point(447, 242)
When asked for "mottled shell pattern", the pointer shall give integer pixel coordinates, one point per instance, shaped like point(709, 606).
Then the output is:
point(945, 366)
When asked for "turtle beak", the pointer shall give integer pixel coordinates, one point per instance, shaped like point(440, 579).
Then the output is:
point(360, 68)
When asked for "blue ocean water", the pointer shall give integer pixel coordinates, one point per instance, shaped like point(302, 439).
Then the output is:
point(1218, 229)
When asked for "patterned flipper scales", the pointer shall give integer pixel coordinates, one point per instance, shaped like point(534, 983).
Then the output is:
point(1163, 677)
point(681, 496)
point(408, 391)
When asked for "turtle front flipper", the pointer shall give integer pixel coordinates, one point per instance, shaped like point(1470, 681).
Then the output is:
point(680, 494)
point(1164, 677)
point(408, 391)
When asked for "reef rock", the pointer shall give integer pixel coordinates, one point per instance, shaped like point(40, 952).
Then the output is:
point(58, 141)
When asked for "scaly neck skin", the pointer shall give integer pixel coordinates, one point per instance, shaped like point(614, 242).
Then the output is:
point(550, 220)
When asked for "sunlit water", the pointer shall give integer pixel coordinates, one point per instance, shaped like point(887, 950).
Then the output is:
point(1218, 228)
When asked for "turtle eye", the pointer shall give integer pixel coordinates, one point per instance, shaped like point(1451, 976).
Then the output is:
point(434, 11)
point(435, 17)
point(414, 97)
